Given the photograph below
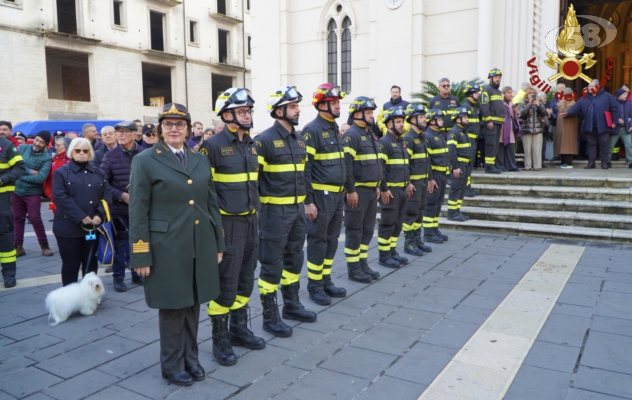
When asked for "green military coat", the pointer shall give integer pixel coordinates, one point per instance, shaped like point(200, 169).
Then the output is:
point(174, 220)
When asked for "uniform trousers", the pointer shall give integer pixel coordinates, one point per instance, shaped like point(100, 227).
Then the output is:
point(322, 237)
point(7, 248)
point(457, 186)
point(435, 200)
point(473, 154)
point(359, 226)
point(598, 139)
point(392, 219)
point(281, 241)
point(492, 138)
point(237, 269)
point(415, 206)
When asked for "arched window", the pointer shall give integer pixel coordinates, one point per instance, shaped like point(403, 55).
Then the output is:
point(332, 54)
point(345, 55)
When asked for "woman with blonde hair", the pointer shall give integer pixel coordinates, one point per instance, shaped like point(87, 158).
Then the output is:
point(532, 111)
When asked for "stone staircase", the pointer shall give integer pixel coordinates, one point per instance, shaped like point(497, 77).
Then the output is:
point(572, 204)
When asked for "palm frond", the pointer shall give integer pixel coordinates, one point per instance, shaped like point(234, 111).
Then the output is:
point(430, 90)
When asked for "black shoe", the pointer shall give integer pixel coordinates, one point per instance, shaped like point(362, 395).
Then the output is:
point(319, 297)
point(399, 259)
point(364, 266)
point(292, 307)
point(387, 260)
point(272, 321)
point(456, 218)
point(430, 236)
point(137, 280)
point(490, 169)
point(181, 378)
point(196, 372)
point(240, 335)
point(441, 235)
point(609, 165)
point(420, 243)
point(222, 349)
point(464, 216)
point(9, 282)
point(410, 245)
point(355, 273)
point(332, 290)
point(119, 285)
point(470, 193)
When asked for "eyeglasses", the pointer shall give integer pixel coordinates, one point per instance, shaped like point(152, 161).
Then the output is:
point(168, 125)
point(84, 151)
point(445, 86)
point(241, 113)
point(150, 134)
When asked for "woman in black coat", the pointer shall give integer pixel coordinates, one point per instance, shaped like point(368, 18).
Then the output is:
point(78, 189)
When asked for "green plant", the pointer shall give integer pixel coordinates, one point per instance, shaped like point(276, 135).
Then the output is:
point(430, 90)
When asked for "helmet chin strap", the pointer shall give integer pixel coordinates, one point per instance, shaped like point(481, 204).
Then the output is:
point(293, 122)
point(245, 127)
point(419, 126)
point(395, 131)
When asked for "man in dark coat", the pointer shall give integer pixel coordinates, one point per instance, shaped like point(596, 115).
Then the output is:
point(117, 164)
point(592, 110)
point(395, 101)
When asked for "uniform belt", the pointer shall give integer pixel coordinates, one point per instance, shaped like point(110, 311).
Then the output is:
point(231, 214)
point(282, 200)
point(395, 184)
point(329, 188)
point(438, 168)
point(367, 184)
point(418, 177)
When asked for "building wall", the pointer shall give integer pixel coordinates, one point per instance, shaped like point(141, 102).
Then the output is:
point(115, 56)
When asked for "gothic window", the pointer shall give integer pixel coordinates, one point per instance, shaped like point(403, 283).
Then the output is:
point(332, 53)
point(346, 56)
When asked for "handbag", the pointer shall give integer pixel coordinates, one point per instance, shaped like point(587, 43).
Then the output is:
point(105, 250)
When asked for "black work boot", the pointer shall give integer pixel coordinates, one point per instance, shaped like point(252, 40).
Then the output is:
point(355, 273)
point(364, 266)
point(491, 169)
point(386, 260)
point(119, 285)
point(469, 192)
point(464, 216)
point(410, 246)
point(453, 215)
point(331, 289)
point(420, 243)
point(430, 236)
point(395, 255)
point(9, 281)
point(441, 235)
point(222, 350)
point(272, 321)
point(318, 295)
point(240, 335)
point(292, 307)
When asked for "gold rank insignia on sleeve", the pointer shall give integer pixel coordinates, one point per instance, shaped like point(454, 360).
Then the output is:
point(278, 143)
point(140, 247)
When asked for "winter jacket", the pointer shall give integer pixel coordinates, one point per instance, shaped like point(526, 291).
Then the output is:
point(78, 190)
point(98, 156)
point(531, 117)
point(40, 162)
point(585, 108)
point(625, 112)
point(117, 165)
point(59, 160)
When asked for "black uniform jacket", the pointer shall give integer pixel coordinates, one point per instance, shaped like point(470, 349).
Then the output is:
point(473, 117)
point(282, 157)
point(447, 105)
point(11, 166)
point(492, 107)
point(235, 169)
point(418, 155)
point(394, 162)
point(325, 167)
point(438, 152)
point(362, 156)
point(459, 146)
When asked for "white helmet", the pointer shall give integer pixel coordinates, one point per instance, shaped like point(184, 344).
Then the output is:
point(234, 98)
point(281, 96)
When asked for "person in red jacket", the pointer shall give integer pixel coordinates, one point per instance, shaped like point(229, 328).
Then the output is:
point(6, 131)
point(60, 158)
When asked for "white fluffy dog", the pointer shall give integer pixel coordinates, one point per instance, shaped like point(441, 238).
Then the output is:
point(82, 297)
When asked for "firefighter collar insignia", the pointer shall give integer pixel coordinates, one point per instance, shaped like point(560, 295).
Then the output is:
point(227, 151)
point(301, 144)
point(140, 247)
point(253, 150)
point(278, 143)
point(325, 135)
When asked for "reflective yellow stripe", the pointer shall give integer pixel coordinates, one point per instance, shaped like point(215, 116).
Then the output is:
point(473, 120)
point(314, 267)
point(216, 309)
point(327, 271)
point(4, 189)
point(463, 145)
point(495, 97)
point(395, 184)
point(314, 271)
point(328, 262)
point(283, 167)
point(429, 222)
point(364, 255)
point(497, 119)
point(243, 213)
point(14, 160)
point(437, 168)
point(394, 242)
point(366, 184)
point(454, 142)
point(350, 151)
point(417, 177)
point(397, 161)
point(329, 188)
point(351, 259)
point(262, 160)
point(437, 151)
point(310, 150)
point(234, 178)
point(418, 156)
point(472, 135)
point(352, 251)
point(364, 247)
point(364, 157)
point(384, 156)
point(281, 200)
point(329, 156)
point(465, 160)
point(265, 287)
point(240, 301)
point(288, 278)
point(8, 254)
point(490, 160)
point(410, 152)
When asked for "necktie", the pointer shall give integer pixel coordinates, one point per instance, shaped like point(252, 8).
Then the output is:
point(180, 156)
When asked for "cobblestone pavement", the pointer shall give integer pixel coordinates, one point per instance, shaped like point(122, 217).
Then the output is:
point(388, 340)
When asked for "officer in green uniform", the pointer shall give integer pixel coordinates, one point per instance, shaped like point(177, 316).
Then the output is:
point(459, 150)
point(419, 171)
point(395, 187)
point(437, 180)
point(364, 174)
point(324, 183)
point(472, 92)
point(446, 102)
point(11, 169)
point(235, 168)
point(493, 118)
point(282, 157)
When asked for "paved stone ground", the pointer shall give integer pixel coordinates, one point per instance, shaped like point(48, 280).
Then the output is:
point(387, 340)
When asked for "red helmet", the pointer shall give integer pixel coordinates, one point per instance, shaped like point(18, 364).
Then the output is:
point(327, 92)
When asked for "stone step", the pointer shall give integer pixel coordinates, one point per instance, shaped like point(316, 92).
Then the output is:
point(535, 203)
point(562, 218)
point(552, 192)
point(582, 163)
point(536, 179)
point(615, 236)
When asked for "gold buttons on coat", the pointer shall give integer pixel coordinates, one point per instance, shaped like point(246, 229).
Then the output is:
point(197, 222)
point(190, 182)
point(191, 202)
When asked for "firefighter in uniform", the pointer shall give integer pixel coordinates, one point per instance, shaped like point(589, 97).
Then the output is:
point(419, 170)
point(11, 169)
point(445, 102)
point(395, 188)
point(472, 92)
point(493, 118)
point(282, 157)
point(235, 168)
point(459, 150)
point(437, 180)
point(364, 173)
point(324, 183)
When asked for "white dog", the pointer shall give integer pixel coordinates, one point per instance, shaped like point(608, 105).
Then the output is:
point(82, 297)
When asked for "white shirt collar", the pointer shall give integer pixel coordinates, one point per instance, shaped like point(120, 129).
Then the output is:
point(175, 150)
